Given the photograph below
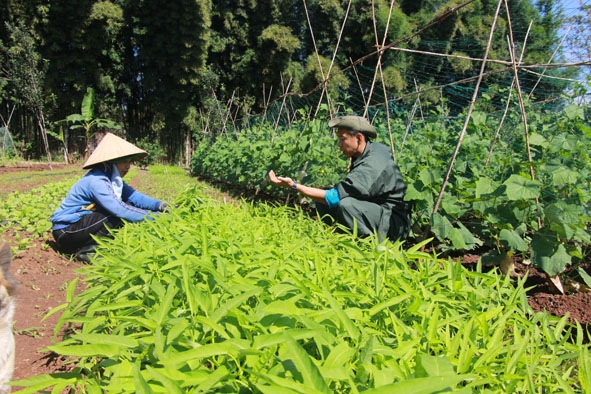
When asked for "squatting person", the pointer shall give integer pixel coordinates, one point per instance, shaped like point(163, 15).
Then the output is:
point(100, 200)
point(372, 193)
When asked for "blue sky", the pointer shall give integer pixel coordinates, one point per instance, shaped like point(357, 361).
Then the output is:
point(572, 8)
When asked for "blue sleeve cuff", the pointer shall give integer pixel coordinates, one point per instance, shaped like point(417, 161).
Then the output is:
point(332, 197)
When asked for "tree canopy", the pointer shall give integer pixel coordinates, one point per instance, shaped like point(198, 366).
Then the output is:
point(168, 70)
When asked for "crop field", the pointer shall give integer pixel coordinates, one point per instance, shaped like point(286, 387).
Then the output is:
point(259, 297)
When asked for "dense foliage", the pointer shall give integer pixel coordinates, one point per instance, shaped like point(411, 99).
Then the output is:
point(216, 297)
point(168, 70)
point(492, 199)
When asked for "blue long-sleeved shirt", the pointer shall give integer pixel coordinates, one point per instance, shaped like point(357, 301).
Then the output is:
point(95, 188)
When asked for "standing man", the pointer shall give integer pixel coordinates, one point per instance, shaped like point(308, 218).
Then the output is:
point(371, 197)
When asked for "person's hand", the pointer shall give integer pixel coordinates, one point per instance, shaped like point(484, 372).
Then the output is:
point(280, 181)
point(163, 207)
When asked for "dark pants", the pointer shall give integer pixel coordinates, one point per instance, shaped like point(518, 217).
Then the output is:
point(79, 234)
point(367, 217)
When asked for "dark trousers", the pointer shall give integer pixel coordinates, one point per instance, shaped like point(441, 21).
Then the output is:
point(367, 217)
point(79, 234)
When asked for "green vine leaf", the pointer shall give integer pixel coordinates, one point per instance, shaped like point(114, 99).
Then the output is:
point(522, 188)
point(551, 257)
point(512, 240)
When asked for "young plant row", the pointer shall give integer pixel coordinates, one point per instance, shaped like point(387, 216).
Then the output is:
point(496, 196)
point(241, 298)
point(26, 214)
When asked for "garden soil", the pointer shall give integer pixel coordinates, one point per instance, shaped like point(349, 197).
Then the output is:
point(44, 275)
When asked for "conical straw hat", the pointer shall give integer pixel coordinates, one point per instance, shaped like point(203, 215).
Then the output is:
point(111, 148)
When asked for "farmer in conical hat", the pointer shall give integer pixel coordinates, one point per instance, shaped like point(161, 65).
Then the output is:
point(100, 200)
point(371, 197)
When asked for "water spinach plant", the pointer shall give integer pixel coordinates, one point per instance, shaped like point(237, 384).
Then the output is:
point(216, 297)
point(26, 213)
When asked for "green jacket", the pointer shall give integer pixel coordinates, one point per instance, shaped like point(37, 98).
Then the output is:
point(375, 177)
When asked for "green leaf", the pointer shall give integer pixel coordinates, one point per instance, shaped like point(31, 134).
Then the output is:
point(513, 240)
point(101, 350)
point(166, 305)
point(573, 111)
point(522, 188)
point(478, 118)
point(107, 339)
point(428, 176)
point(412, 193)
point(469, 238)
point(551, 257)
point(538, 139)
point(584, 367)
point(87, 107)
point(141, 386)
point(347, 323)
point(585, 276)
point(170, 385)
point(564, 176)
point(340, 355)
point(36, 384)
point(232, 347)
point(440, 226)
point(267, 340)
point(432, 384)
point(484, 186)
point(305, 366)
point(428, 365)
point(457, 239)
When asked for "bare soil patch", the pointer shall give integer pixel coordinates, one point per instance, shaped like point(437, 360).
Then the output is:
point(44, 275)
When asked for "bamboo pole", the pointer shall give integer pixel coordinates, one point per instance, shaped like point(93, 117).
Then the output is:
point(521, 104)
point(498, 132)
point(380, 72)
point(470, 109)
point(435, 21)
point(417, 104)
point(359, 84)
point(409, 123)
point(282, 103)
point(324, 78)
point(229, 111)
point(549, 60)
point(519, 92)
point(379, 52)
point(334, 55)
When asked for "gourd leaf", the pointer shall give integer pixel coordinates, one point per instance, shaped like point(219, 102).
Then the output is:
point(564, 176)
point(484, 186)
point(538, 139)
point(522, 188)
point(440, 226)
point(428, 176)
point(574, 111)
point(585, 276)
point(512, 240)
point(551, 258)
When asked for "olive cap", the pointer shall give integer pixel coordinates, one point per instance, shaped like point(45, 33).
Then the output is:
point(356, 123)
point(114, 149)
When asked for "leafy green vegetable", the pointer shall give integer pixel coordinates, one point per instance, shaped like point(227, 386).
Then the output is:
point(230, 297)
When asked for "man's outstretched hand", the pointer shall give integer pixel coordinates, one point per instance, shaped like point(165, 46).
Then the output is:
point(279, 181)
